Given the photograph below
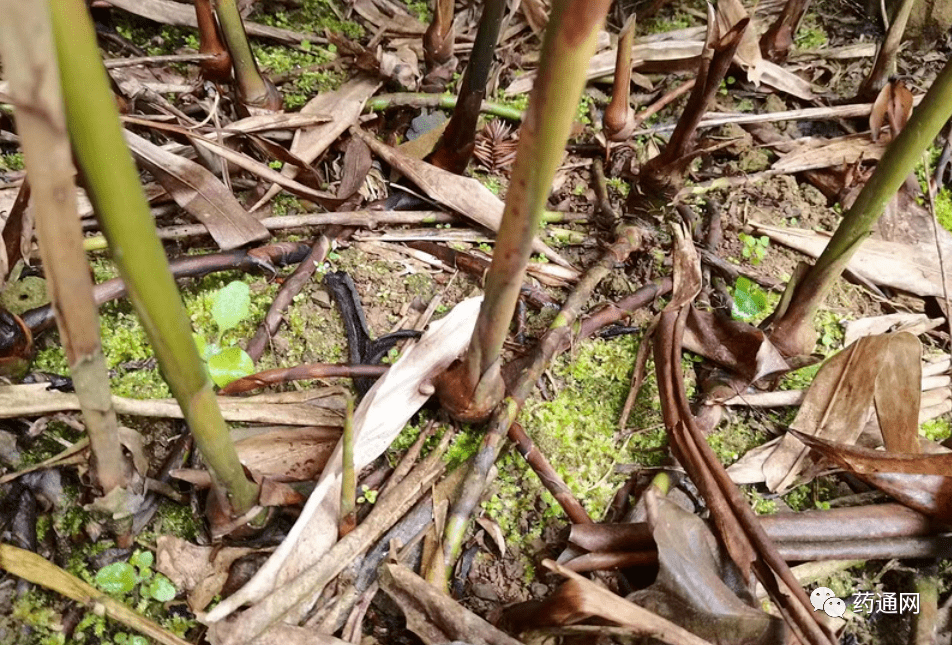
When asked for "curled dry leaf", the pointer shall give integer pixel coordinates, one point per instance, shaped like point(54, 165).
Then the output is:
point(892, 107)
point(378, 420)
point(464, 195)
point(735, 345)
point(692, 589)
point(881, 373)
point(201, 571)
point(922, 482)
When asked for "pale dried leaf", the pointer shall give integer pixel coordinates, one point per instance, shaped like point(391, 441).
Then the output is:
point(381, 416)
point(345, 104)
point(200, 193)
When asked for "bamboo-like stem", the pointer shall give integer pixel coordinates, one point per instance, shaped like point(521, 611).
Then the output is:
point(254, 89)
point(792, 331)
point(472, 387)
point(218, 68)
point(664, 174)
point(456, 145)
point(348, 479)
point(412, 99)
point(885, 63)
point(619, 117)
point(30, 66)
point(556, 339)
point(114, 189)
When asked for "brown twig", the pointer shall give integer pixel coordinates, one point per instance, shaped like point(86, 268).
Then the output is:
point(291, 287)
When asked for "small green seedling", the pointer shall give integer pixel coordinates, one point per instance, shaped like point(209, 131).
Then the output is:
point(230, 306)
point(133, 583)
point(121, 578)
point(749, 300)
point(755, 248)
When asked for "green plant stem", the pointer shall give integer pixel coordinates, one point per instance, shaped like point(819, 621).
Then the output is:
point(790, 330)
point(253, 88)
point(29, 57)
point(114, 189)
point(556, 339)
point(348, 482)
point(471, 388)
point(411, 99)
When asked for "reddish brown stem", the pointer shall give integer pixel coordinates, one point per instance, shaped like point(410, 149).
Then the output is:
point(217, 69)
point(776, 42)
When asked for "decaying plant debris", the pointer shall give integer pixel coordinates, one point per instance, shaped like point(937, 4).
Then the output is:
point(537, 327)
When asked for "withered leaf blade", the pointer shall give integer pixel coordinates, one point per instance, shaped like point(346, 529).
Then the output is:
point(922, 482)
point(841, 397)
point(345, 105)
point(432, 615)
point(276, 121)
point(200, 193)
point(690, 589)
point(464, 195)
point(200, 570)
point(357, 163)
point(735, 345)
point(687, 269)
point(286, 454)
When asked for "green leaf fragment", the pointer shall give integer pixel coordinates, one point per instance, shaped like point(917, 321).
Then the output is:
point(749, 299)
point(231, 305)
point(161, 589)
point(229, 365)
point(116, 578)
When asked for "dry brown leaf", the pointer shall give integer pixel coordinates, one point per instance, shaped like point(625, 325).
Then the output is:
point(741, 348)
point(909, 267)
point(345, 105)
point(884, 371)
point(814, 154)
point(379, 418)
point(690, 589)
point(200, 193)
point(199, 570)
point(357, 163)
point(388, 16)
point(276, 121)
point(286, 454)
point(922, 482)
point(464, 195)
point(182, 14)
point(434, 616)
point(537, 14)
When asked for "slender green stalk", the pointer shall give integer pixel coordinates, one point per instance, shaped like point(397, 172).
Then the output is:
point(792, 331)
point(254, 89)
point(471, 388)
point(400, 99)
point(30, 66)
point(113, 186)
point(557, 338)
